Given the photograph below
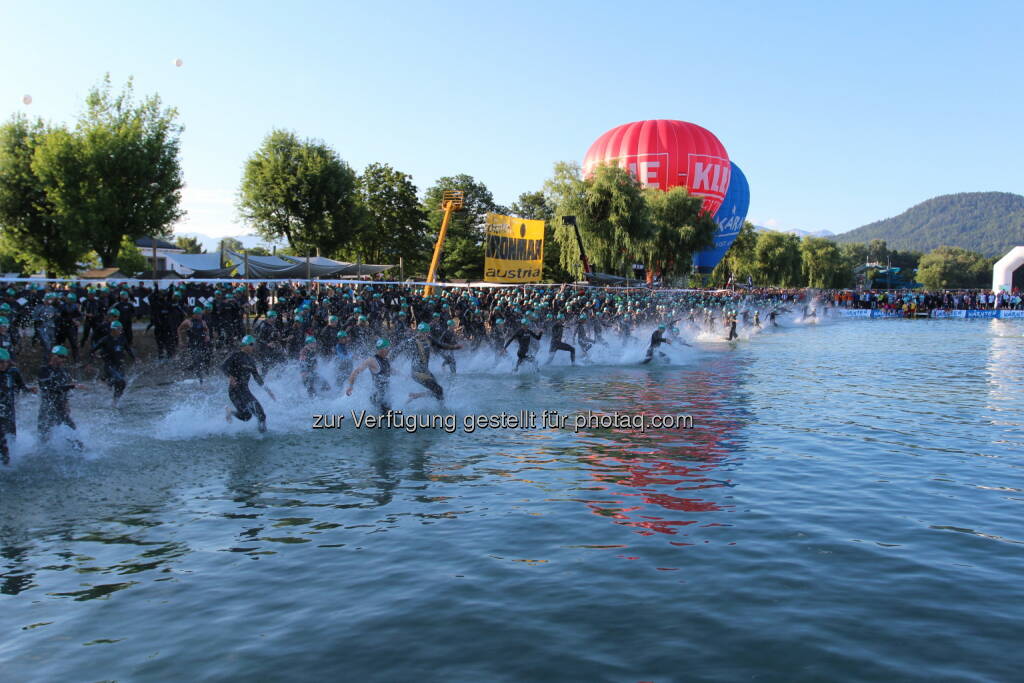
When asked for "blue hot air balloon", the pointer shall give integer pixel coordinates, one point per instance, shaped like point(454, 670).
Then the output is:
point(730, 217)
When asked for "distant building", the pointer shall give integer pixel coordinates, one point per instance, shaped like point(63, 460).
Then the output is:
point(165, 253)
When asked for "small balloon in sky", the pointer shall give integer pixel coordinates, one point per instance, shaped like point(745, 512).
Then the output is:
point(178, 62)
point(27, 99)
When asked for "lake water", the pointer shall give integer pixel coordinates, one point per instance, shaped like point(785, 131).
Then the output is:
point(847, 506)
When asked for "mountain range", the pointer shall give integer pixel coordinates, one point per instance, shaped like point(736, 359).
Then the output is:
point(990, 223)
point(798, 233)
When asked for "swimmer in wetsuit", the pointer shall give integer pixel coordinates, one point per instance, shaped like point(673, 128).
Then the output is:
point(239, 367)
point(54, 385)
point(421, 344)
point(197, 342)
point(522, 336)
point(557, 330)
point(112, 349)
point(380, 371)
point(343, 356)
point(657, 339)
point(11, 383)
point(307, 367)
point(730, 320)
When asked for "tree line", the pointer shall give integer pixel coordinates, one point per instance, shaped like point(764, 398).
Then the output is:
point(78, 195)
point(779, 259)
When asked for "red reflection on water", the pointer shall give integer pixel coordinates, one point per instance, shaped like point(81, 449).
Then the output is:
point(650, 467)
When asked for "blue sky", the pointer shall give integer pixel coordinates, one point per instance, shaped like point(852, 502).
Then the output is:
point(838, 113)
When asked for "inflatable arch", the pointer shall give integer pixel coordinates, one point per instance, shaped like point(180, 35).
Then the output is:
point(1002, 273)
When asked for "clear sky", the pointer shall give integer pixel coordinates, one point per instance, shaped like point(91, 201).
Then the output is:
point(838, 113)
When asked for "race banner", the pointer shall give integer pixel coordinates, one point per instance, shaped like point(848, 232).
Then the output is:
point(513, 249)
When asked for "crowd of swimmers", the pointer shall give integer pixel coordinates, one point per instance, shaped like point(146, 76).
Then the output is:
point(347, 329)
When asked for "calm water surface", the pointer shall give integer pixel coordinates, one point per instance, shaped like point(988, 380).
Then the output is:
point(847, 506)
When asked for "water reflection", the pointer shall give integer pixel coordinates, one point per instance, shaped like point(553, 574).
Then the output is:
point(643, 473)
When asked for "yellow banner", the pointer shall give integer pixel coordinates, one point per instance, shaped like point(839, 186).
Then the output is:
point(513, 249)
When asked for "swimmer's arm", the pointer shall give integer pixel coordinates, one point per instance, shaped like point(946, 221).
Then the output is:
point(355, 373)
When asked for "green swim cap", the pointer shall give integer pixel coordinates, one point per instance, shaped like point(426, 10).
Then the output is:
point(5, 354)
point(248, 340)
point(5, 322)
point(342, 334)
point(524, 321)
point(116, 325)
point(332, 318)
point(59, 351)
point(423, 327)
point(383, 343)
point(450, 323)
point(310, 339)
point(197, 309)
point(114, 312)
point(362, 317)
point(271, 314)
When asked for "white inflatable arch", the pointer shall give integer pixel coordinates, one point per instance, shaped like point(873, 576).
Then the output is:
point(1002, 273)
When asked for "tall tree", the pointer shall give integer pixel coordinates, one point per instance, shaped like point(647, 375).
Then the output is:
point(300, 191)
point(463, 255)
point(610, 210)
point(778, 261)
point(954, 267)
point(117, 174)
point(30, 229)
point(130, 259)
point(740, 259)
point(191, 245)
point(395, 225)
point(680, 230)
point(823, 264)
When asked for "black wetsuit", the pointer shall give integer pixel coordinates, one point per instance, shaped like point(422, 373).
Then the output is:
point(343, 356)
point(199, 348)
point(113, 350)
point(10, 384)
point(381, 380)
point(54, 386)
point(657, 339)
point(523, 336)
point(240, 366)
point(557, 330)
point(421, 364)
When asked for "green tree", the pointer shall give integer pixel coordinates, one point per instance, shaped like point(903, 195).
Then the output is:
point(823, 264)
point(740, 260)
point(191, 245)
point(535, 206)
point(395, 225)
point(31, 232)
point(463, 255)
point(954, 267)
point(611, 212)
point(302, 192)
point(117, 173)
point(777, 258)
point(130, 259)
point(680, 230)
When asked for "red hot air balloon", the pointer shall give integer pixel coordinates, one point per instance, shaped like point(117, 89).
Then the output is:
point(666, 154)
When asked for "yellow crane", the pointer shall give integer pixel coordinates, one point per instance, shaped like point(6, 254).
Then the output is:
point(451, 201)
